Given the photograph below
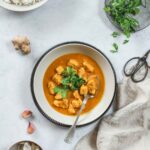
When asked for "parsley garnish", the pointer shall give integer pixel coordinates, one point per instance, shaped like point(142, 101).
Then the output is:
point(115, 34)
point(125, 41)
point(122, 12)
point(69, 71)
point(61, 90)
point(70, 81)
point(115, 48)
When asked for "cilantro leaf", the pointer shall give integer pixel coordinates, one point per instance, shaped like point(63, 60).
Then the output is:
point(125, 41)
point(122, 13)
point(60, 90)
point(115, 48)
point(115, 34)
point(68, 71)
point(71, 80)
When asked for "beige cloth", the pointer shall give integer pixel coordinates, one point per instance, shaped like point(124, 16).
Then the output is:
point(129, 127)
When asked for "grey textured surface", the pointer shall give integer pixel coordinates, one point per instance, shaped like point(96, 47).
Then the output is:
point(55, 22)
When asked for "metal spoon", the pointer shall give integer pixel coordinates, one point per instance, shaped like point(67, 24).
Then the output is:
point(71, 132)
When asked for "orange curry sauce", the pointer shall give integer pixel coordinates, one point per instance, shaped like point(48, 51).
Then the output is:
point(62, 60)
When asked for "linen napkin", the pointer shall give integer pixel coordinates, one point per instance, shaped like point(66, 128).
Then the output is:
point(129, 127)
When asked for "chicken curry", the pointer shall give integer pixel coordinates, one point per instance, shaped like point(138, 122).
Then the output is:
point(68, 79)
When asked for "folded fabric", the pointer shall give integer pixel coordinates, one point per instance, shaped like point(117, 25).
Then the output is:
point(129, 127)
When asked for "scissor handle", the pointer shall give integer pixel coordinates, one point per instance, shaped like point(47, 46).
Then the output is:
point(140, 62)
point(139, 80)
point(131, 69)
point(147, 55)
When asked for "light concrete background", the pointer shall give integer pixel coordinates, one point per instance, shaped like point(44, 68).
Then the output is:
point(56, 22)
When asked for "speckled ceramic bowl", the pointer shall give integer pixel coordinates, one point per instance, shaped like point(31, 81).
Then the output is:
point(19, 8)
point(18, 144)
point(67, 48)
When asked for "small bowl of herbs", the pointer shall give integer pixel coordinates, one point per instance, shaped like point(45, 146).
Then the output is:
point(128, 16)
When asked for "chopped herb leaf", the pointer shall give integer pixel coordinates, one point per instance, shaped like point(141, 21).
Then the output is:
point(115, 48)
point(115, 34)
point(71, 80)
point(125, 41)
point(68, 72)
point(60, 90)
point(113, 51)
point(122, 12)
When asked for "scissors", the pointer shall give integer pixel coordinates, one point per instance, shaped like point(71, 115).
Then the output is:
point(137, 68)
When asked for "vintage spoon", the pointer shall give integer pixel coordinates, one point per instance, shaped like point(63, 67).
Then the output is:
point(71, 132)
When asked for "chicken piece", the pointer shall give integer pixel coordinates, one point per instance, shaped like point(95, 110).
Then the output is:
point(76, 94)
point(73, 63)
point(58, 96)
point(71, 110)
point(88, 66)
point(57, 79)
point(92, 86)
point(51, 85)
point(61, 103)
point(76, 103)
point(58, 103)
point(93, 76)
point(85, 77)
point(66, 103)
point(81, 72)
point(59, 70)
point(83, 90)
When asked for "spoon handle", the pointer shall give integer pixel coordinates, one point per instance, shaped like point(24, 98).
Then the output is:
point(71, 132)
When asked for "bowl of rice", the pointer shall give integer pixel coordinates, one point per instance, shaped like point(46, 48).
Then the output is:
point(21, 5)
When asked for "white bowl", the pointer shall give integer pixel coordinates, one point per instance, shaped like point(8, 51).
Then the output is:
point(15, 146)
point(37, 83)
point(19, 8)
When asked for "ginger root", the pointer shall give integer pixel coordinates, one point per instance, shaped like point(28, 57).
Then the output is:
point(22, 43)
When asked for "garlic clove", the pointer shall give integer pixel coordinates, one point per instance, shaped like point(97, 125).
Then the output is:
point(31, 128)
point(26, 114)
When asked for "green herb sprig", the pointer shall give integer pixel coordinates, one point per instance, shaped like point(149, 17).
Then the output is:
point(115, 48)
point(115, 34)
point(123, 12)
point(70, 81)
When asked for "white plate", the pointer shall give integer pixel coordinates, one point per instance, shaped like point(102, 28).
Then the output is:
point(19, 8)
point(37, 83)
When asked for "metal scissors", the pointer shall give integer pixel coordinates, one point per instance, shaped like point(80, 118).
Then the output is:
point(137, 67)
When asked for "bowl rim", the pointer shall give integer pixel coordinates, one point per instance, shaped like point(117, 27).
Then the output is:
point(32, 82)
point(18, 8)
point(25, 141)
